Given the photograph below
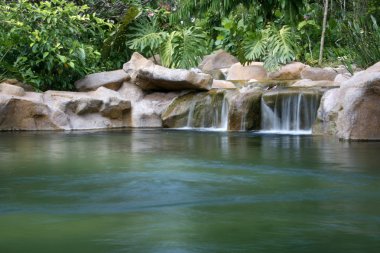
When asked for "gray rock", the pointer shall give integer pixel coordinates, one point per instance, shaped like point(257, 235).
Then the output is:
point(111, 80)
point(151, 77)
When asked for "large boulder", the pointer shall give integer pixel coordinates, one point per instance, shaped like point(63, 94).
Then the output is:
point(151, 77)
point(244, 109)
point(239, 72)
point(317, 74)
point(218, 60)
point(12, 90)
point(195, 110)
point(111, 80)
point(352, 112)
point(340, 78)
point(291, 71)
point(29, 112)
point(60, 110)
point(374, 68)
point(147, 108)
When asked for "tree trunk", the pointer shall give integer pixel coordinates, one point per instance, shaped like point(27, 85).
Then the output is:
point(326, 7)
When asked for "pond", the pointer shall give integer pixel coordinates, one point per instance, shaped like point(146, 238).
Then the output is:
point(187, 191)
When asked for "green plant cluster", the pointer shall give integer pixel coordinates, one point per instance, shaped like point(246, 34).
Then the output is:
point(50, 44)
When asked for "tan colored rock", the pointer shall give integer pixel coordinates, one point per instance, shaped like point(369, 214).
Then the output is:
point(29, 113)
point(222, 84)
point(26, 87)
point(306, 83)
point(352, 112)
point(12, 90)
point(111, 80)
point(291, 71)
point(151, 77)
point(218, 60)
point(374, 68)
point(340, 78)
point(239, 72)
point(317, 74)
point(147, 108)
point(244, 109)
point(195, 110)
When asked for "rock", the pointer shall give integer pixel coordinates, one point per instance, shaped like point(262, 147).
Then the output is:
point(156, 59)
point(341, 78)
point(239, 72)
point(29, 113)
point(291, 71)
point(374, 68)
point(317, 74)
point(26, 87)
point(147, 108)
point(151, 77)
point(309, 83)
point(222, 84)
point(218, 60)
point(62, 110)
point(216, 74)
point(327, 114)
point(12, 90)
point(352, 112)
point(111, 80)
point(244, 109)
point(195, 110)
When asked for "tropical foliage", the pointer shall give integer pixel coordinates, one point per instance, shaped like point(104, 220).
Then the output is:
point(50, 44)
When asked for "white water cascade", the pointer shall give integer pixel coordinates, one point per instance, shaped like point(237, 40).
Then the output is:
point(289, 112)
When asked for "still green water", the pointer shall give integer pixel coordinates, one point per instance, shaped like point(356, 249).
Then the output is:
point(182, 191)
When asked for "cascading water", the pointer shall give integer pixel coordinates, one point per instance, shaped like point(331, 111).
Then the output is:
point(289, 112)
point(212, 116)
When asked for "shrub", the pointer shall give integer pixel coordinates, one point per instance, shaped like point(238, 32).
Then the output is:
point(50, 44)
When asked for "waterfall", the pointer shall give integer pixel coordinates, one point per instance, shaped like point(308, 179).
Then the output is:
point(224, 115)
point(208, 114)
point(289, 112)
point(190, 116)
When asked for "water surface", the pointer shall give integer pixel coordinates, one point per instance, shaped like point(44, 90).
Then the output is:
point(187, 191)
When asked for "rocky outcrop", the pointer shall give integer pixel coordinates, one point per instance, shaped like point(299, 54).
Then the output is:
point(11, 90)
point(318, 74)
point(244, 109)
point(352, 112)
point(147, 108)
point(291, 71)
point(111, 80)
point(59, 110)
point(306, 83)
point(222, 84)
point(216, 61)
point(151, 77)
point(195, 110)
point(374, 68)
point(239, 72)
point(341, 78)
